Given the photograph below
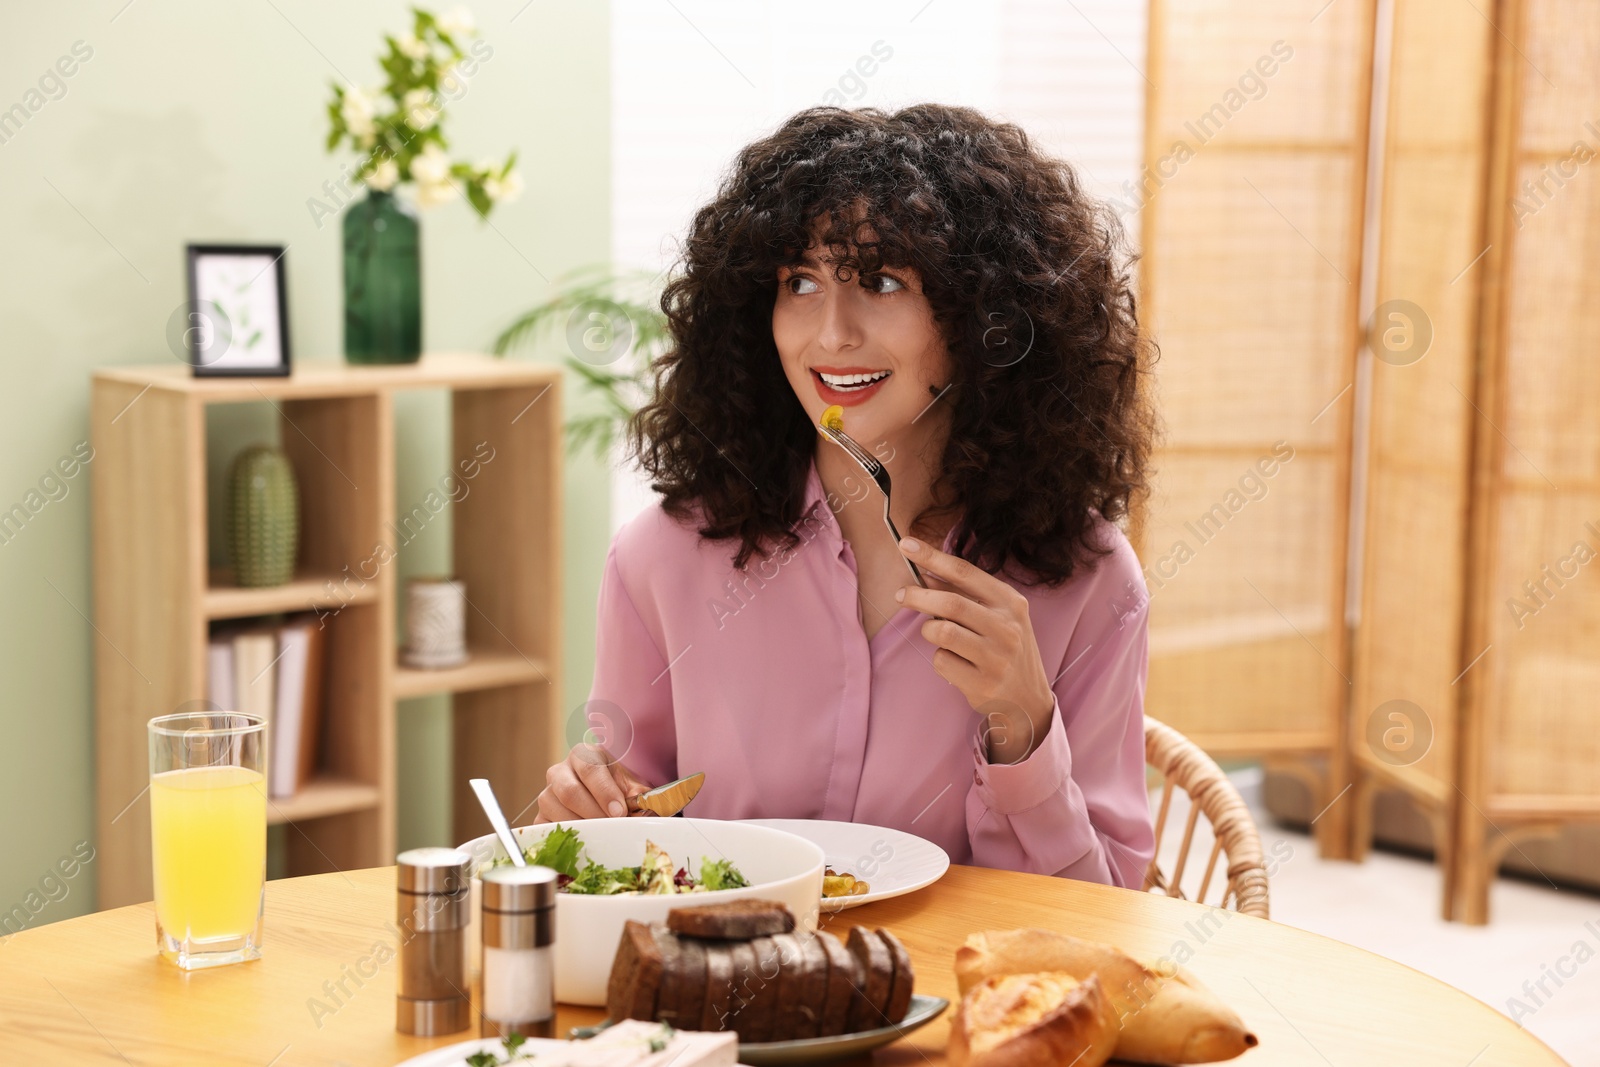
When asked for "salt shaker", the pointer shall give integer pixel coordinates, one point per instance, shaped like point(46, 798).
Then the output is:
point(432, 909)
point(518, 952)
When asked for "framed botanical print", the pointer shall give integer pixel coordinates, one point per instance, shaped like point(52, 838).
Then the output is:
point(237, 320)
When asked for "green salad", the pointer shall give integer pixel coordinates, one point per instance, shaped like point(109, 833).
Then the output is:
point(561, 849)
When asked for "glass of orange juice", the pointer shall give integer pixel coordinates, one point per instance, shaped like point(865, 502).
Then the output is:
point(208, 835)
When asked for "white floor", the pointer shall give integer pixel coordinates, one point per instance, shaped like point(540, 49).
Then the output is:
point(1390, 905)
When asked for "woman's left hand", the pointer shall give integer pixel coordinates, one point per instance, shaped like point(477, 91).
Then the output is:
point(986, 648)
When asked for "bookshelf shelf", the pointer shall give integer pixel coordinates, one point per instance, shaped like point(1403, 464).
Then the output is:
point(483, 670)
point(155, 598)
point(224, 600)
point(322, 797)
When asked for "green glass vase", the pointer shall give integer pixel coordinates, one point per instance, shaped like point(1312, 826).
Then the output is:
point(263, 517)
point(382, 281)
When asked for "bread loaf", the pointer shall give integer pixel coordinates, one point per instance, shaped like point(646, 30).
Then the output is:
point(768, 987)
point(682, 1001)
point(635, 974)
point(737, 920)
point(869, 1009)
point(745, 982)
point(719, 989)
point(844, 978)
point(1166, 1015)
point(1044, 1019)
point(802, 980)
point(900, 988)
point(671, 985)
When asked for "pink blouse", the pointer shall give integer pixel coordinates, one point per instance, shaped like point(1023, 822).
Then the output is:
point(765, 680)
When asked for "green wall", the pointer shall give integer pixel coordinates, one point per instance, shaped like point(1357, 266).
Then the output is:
point(205, 122)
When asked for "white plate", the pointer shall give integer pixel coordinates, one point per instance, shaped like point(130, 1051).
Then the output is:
point(456, 1055)
point(892, 862)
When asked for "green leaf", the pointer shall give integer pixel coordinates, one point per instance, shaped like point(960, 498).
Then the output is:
point(598, 880)
point(720, 874)
point(559, 850)
point(636, 295)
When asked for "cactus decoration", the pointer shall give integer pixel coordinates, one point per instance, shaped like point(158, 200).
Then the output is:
point(263, 517)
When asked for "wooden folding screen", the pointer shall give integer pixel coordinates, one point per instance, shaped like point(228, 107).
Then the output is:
point(1405, 709)
point(1532, 732)
point(1252, 197)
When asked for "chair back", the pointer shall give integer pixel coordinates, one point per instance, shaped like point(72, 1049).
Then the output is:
point(1185, 768)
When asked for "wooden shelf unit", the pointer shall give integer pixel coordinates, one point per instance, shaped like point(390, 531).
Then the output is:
point(306, 591)
point(155, 596)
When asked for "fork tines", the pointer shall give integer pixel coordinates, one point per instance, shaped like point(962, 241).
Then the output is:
point(849, 444)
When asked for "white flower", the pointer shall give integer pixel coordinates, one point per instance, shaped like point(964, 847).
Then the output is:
point(504, 190)
point(411, 45)
point(420, 109)
point(431, 193)
point(457, 22)
point(358, 111)
point(383, 176)
point(430, 166)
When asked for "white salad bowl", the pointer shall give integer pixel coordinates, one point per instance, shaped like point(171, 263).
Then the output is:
point(778, 865)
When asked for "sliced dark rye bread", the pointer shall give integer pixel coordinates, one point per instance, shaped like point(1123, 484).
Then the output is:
point(683, 979)
point(802, 983)
point(719, 987)
point(737, 920)
point(904, 978)
point(764, 1006)
point(691, 994)
point(746, 983)
point(635, 974)
point(844, 976)
point(869, 1008)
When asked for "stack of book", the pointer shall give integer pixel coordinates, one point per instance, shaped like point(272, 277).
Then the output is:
point(274, 670)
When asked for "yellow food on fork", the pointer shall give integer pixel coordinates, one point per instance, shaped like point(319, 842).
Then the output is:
point(833, 417)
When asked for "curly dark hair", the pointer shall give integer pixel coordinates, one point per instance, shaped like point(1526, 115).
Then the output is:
point(1027, 275)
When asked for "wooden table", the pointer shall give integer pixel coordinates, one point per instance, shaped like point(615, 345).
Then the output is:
point(91, 990)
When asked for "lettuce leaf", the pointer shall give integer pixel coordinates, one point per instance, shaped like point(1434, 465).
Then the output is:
point(600, 880)
point(558, 851)
point(720, 874)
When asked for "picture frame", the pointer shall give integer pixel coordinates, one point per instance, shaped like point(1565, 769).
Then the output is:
point(236, 322)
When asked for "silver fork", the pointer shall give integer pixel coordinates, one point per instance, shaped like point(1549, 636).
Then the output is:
point(878, 474)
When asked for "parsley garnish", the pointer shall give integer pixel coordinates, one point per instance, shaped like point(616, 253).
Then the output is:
point(513, 1045)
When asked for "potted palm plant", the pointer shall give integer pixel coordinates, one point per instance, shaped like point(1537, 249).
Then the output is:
point(613, 329)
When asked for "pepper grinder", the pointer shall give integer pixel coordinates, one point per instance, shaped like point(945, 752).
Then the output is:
point(518, 952)
point(432, 907)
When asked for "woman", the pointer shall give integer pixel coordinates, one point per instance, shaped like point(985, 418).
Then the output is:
point(966, 303)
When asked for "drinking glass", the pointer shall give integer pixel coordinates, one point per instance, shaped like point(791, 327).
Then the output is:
point(208, 835)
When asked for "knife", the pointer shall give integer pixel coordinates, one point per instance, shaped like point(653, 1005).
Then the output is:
point(668, 799)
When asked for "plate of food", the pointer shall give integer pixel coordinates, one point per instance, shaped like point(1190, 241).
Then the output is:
point(616, 870)
point(866, 863)
point(633, 1044)
point(790, 995)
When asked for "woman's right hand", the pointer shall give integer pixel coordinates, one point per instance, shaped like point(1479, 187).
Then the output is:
point(589, 784)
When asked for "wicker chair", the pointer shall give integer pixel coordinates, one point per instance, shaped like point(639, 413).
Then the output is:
point(1182, 765)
